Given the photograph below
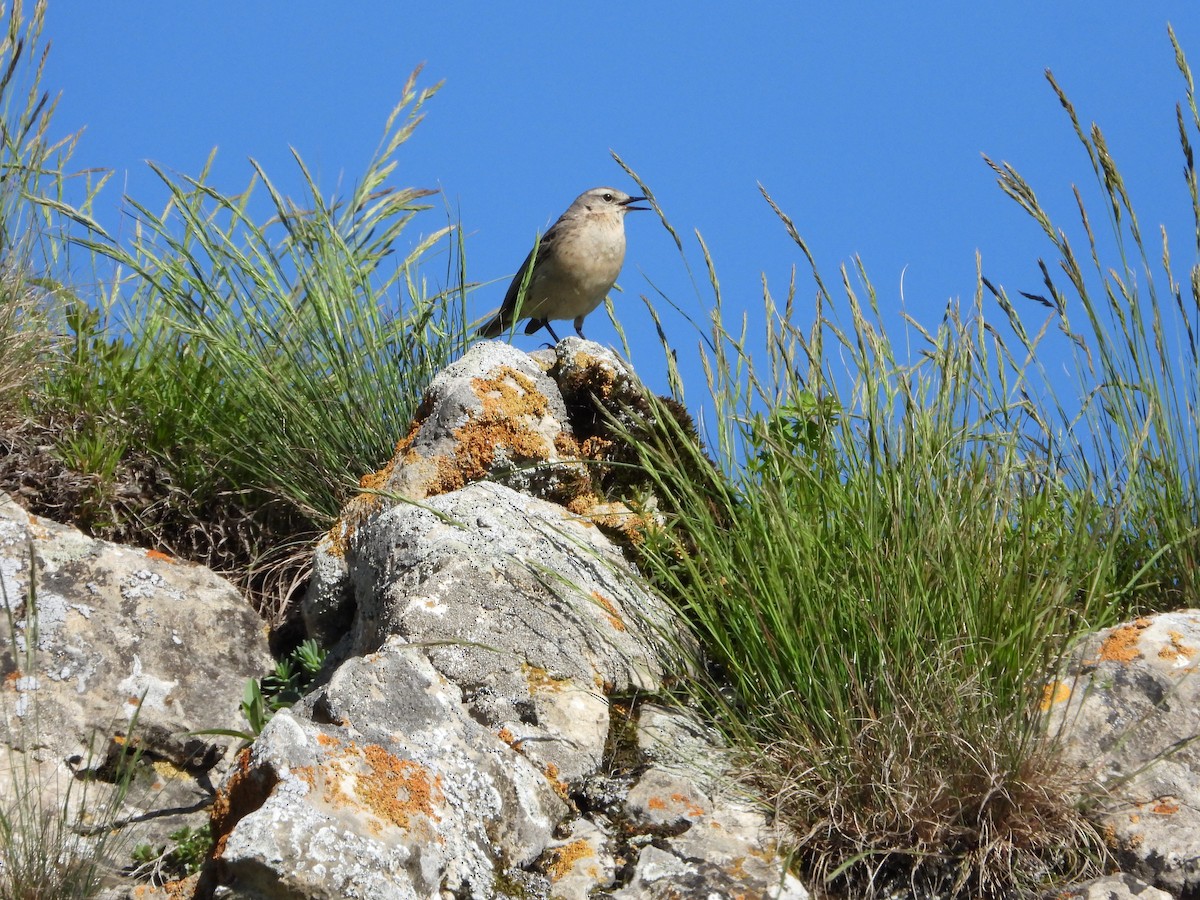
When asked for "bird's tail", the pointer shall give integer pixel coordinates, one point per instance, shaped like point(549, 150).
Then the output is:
point(494, 327)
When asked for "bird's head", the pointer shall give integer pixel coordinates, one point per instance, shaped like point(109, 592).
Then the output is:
point(603, 199)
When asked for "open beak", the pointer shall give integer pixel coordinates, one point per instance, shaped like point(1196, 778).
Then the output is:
point(631, 200)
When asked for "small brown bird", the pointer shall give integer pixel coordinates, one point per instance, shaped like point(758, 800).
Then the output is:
point(578, 261)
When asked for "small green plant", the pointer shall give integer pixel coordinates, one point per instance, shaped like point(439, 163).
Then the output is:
point(264, 697)
point(164, 863)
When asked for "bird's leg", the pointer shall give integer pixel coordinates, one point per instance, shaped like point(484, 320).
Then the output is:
point(546, 325)
point(579, 326)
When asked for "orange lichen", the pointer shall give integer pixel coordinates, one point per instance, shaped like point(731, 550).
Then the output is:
point(362, 505)
point(595, 447)
point(509, 393)
point(352, 515)
point(566, 445)
point(508, 401)
point(559, 786)
point(1167, 806)
point(590, 374)
point(1054, 693)
point(1121, 644)
point(561, 860)
point(610, 610)
point(656, 803)
point(1177, 649)
point(183, 889)
point(691, 807)
point(158, 554)
point(616, 519)
point(390, 789)
point(397, 788)
point(537, 677)
point(243, 791)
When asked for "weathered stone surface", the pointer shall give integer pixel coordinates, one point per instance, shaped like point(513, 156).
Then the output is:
point(494, 414)
point(1128, 710)
point(380, 785)
point(484, 627)
point(120, 646)
point(530, 609)
point(1116, 887)
point(662, 802)
point(579, 862)
point(659, 875)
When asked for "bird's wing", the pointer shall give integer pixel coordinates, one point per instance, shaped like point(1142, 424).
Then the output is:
point(541, 248)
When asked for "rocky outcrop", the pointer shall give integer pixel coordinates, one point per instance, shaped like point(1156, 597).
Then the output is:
point(485, 735)
point(106, 648)
point(493, 721)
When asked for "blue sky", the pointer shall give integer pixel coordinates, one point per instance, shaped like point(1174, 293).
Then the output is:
point(866, 121)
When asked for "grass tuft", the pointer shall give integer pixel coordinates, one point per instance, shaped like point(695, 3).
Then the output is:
point(891, 553)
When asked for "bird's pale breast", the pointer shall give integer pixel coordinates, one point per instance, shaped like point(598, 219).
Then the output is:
point(585, 264)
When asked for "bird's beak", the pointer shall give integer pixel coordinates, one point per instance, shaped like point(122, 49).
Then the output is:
point(631, 200)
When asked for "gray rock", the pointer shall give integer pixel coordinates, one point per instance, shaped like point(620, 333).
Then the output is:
point(580, 862)
point(662, 802)
point(496, 414)
point(1128, 713)
point(123, 647)
point(1115, 887)
point(380, 785)
point(660, 875)
point(533, 612)
point(482, 627)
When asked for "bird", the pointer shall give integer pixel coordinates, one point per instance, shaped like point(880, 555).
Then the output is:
point(575, 264)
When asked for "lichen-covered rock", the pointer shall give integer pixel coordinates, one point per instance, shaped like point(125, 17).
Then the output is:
point(491, 633)
point(532, 422)
point(112, 647)
point(529, 608)
point(579, 862)
point(379, 785)
point(1128, 712)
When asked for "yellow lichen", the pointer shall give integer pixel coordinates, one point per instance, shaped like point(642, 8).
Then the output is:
point(1121, 644)
point(1053, 694)
point(561, 860)
point(610, 611)
point(1177, 649)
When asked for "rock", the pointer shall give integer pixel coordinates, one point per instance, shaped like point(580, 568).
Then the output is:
point(664, 803)
point(659, 875)
point(528, 421)
point(122, 648)
point(493, 413)
point(380, 785)
point(580, 862)
point(1128, 713)
point(479, 735)
point(1115, 887)
point(532, 611)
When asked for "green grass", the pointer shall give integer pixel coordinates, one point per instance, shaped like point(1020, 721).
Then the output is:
point(220, 394)
point(26, 155)
point(887, 557)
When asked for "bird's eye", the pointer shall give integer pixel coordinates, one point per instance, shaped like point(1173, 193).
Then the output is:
point(608, 198)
